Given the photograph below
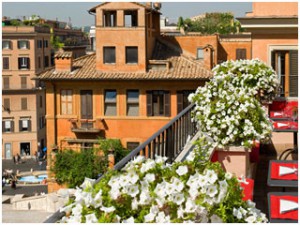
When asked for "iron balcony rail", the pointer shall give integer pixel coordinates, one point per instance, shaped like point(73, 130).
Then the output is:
point(169, 141)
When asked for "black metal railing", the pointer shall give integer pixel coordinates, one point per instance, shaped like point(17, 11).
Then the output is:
point(169, 141)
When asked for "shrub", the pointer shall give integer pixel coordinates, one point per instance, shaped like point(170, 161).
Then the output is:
point(106, 145)
point(72, 167)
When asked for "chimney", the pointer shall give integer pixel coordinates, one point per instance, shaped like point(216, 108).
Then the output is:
point(63, 61)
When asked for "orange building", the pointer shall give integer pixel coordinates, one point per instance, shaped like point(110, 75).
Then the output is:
point(25, 52)
point(274, 35)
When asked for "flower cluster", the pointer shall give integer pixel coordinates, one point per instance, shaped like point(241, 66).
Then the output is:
point(254, 76)
point(226, 107)
point(149, 190)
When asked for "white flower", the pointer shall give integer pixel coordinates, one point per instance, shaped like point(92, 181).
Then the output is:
point(178, 198)
point(211, 176)
point(149, 164)
point(160, 189)
point(139, 159)
point(91, 218)
point(251, 219)
point(215, 219)
point(129, 220)
point(134, 204)
point(150, 177)
point(212, 190)
point(114, 181)
point(132, 177)
point(133, 190)
point(160, 159)
point(145, 198)
point(190, 206)
point(114, 193)
point(182, 170)
point(88, 183)
point(162, 218)
point(76, 211)
point(180, 212)
point(149, 217)
point(107, 209)
point(75, 219)
point(178, 184)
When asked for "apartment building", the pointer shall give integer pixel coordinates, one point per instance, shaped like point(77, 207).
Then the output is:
point(25, 52)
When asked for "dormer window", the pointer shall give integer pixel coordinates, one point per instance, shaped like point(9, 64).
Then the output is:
point(200, 53)
point(23, 44)
point(110, 18)
point(131, 18)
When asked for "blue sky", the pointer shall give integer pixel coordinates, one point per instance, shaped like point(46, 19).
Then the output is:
point(77, 11)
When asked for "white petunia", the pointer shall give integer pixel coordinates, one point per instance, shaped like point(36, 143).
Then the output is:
point(107, 209)
point(148, 165)
point(77, 210)
point(87, 183)
point(212, 190)
point(91, 218)
point(149, 217)
point(190, 206)
point(215, 219)
point(211, 176)
point(182, 170)
point(139, 159)
point(67, 208)
point(178, 184)
point(251, 219)
point(134, 204)
point(162, 218)
point(74, 219)
point(160, 159)
point(133, 190)
point(129, 220)
point(114, 193)
point(114, 181)
point(132, 177)
point(150, 177)
point(178, 198)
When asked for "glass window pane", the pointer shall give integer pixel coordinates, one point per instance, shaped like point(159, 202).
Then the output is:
point(110, 96)
point(110, 110)
point(132, 110)
point(132, 96)
point(7, 124)
point(25, 123)
point(131, 55)
point(200, 53)
point(109, 55)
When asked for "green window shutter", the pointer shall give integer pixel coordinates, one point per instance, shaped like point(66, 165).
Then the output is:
point(167, 103)
point(293, 77)
point(149, 103)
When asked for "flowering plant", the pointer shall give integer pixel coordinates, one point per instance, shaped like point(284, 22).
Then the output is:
point(226, 107)
point(148, 190)
point(254, 76)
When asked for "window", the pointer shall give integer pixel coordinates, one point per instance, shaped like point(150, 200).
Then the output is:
point(110, 103)
point(132, 145)
point(6, 44)
point(46, 61)
point(86, 106)
point(5, 63)
point(200, 53)
point(131, 55)
point(182, 100)
point(6, 104)
point(23, 44)
point(39, 44)
point(23, 82)
point(132, 103)
point(25, 125)
point(110, 18)
point(5, 82)
point(66, 102)
point(158, 103)
point(109, 54)
point(241, 53)
point(7, 126)
point(131, 18)
point(24, 63)
point(23, 103)
point(45, 44)
point(285, 63)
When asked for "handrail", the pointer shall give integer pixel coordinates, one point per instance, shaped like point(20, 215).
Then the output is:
point(141, 147)
point(168, 141)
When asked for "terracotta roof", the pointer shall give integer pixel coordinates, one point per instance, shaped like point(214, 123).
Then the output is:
point(66, 54)
point(84, 68)
point(93, 10)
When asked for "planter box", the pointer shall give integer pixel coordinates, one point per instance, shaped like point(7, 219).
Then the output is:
point(234, 159)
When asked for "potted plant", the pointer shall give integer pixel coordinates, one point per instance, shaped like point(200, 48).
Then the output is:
point(148, 190)
point(228, 110)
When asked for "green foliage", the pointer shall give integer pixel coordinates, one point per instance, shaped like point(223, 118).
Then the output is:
point(72, 167)
point(55, 42)
point(222, 23)
point(15, 22)
point(113, 144)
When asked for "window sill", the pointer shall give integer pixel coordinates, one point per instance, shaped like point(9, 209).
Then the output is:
point(109, 64)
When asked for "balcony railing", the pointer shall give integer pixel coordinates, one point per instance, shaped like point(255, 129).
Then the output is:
point(169, 141)
point(86, 125)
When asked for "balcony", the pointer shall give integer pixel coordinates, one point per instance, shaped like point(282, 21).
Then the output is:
point(86, 125)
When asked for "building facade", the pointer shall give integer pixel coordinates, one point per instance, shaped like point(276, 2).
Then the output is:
point(25, 52)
